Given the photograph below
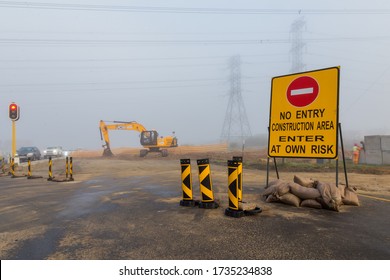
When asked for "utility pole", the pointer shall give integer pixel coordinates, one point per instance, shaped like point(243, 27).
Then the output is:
point(297, 45)
point(236, 125)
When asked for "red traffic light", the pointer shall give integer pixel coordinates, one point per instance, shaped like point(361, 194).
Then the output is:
point(14, 112)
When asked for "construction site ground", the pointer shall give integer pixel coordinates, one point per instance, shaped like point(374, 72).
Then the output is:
point(127, 207)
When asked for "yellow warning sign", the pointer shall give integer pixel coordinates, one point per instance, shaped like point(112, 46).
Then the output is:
point(304, 114)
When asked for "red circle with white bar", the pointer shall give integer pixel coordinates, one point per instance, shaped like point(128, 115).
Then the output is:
point(302, 91)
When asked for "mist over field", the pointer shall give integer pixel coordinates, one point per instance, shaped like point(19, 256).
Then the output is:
point(167, 65)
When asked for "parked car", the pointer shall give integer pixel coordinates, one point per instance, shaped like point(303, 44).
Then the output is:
point(53, 152)
point(28, 152)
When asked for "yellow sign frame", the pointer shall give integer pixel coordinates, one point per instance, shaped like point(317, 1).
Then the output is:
point(309, 131)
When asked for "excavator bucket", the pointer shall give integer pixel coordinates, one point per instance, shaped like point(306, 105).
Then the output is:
point(107, 153)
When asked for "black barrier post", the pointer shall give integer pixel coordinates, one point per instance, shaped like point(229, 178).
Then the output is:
point(29, 168)
point(205, 185)
point(71, 169)
point(240, 177)
point(12, 167)
point(50, 170)
point(29, 172)
point(233, 191)
point(2, 165)
point(186, 184)
point(66, 167)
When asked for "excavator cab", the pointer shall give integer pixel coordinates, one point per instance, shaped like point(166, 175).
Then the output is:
point(149, 137)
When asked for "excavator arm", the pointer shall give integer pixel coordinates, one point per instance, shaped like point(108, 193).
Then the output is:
point(104, 128)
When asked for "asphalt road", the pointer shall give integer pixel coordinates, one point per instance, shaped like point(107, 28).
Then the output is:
point(139, 217)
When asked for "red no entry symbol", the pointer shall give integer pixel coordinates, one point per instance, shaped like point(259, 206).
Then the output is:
point(302, 91)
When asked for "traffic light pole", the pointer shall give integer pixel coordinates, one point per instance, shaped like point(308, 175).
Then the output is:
point(13, 139)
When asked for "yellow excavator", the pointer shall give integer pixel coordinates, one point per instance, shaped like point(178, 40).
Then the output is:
point(149, 139)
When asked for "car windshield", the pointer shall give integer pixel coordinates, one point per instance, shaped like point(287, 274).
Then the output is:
point(25, 150)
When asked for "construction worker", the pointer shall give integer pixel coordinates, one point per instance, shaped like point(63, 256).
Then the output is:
point(356, 151)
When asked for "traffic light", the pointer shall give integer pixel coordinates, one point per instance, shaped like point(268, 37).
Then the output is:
point(14, 112)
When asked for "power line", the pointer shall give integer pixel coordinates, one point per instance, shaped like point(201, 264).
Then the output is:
point(12, 41)
point(137, 59)
point(100, 83)
point(182, 10)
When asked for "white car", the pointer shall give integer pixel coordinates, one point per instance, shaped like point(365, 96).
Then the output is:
point(53, 152)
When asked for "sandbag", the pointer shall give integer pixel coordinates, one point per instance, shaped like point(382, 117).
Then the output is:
point(304, 182)
point(312, 203)
point(290, 199)
point(303, 192)
point(274, 182)
point(272, 198)
point(350, 197)
point(330, 196)
point(342, 190)
point(246, 206)
point(328, 205)
point(278, 189)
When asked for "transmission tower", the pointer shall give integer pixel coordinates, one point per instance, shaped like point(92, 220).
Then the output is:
point(236, 125)
point(297, 45)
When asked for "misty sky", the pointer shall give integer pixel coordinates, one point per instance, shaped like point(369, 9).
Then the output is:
point(165, 64)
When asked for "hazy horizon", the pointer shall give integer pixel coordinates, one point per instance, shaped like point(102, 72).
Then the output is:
point(165, 64)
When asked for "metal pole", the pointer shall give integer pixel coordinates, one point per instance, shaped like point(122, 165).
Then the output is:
point(13, 152)
point(266, 182)
point(342, 151)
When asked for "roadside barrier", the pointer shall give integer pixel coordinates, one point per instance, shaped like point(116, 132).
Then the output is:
point(12, 170)
point(29, 172)
point(70, 167)
point(2, 166)
point(237, 208)
point(233, 191)
point(12, 167)
point(205, 185)
point(186, 184)
point(68, 171)
point(50, 170)
point(239, 177)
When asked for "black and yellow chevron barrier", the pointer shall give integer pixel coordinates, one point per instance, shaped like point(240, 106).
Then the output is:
point(240, 177)
point(205, 185)
point(50, 178)
point(29, 172)
point(237, 208)
point(186, 184)
point(12, 170)
point(233, 190)
point(68, 171)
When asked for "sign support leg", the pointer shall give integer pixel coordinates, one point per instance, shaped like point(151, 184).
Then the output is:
point(342, 151)
point(276, 169)
point(267, 179)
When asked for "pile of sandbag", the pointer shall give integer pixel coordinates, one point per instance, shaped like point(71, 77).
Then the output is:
point(310, 193)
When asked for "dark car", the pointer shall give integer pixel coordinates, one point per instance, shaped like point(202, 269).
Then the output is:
point(28, 152)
